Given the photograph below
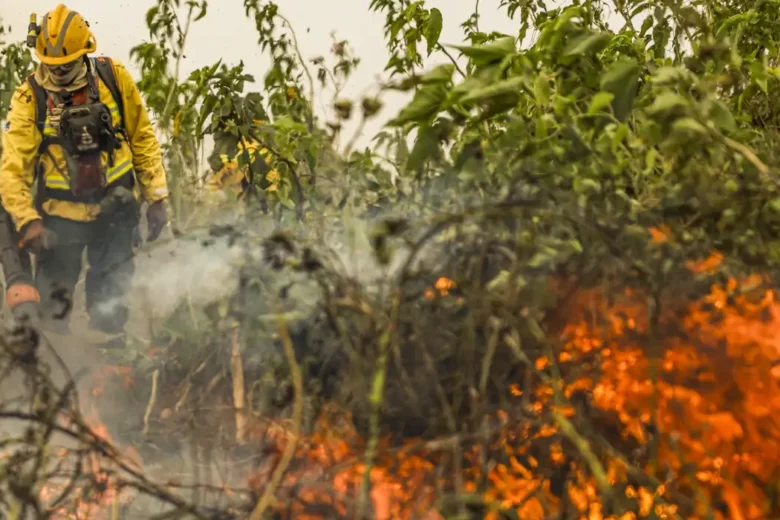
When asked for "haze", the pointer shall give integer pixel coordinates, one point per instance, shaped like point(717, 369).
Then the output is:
point(226, 33)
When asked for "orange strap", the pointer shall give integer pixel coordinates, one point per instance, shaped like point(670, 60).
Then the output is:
point(21, 294)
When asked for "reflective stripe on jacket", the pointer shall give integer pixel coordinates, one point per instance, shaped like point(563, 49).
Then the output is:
point(140, 158)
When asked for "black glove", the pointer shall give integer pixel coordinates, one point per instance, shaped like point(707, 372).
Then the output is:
point(156, 218)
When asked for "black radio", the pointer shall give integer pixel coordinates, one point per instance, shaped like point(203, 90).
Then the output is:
point(87, 129)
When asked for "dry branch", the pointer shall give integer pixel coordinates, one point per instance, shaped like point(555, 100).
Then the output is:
point(239, 391)
point(151, 403)
point(289, 449)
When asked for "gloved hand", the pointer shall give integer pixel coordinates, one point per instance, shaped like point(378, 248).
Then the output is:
point(156, 218)
point(35, 237)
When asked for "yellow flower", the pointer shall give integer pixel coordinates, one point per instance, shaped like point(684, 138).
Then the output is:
point(272, 177)
point(291, 92)
point(272, 187)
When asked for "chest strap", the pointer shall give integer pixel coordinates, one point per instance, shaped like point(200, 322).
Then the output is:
point(103, 66)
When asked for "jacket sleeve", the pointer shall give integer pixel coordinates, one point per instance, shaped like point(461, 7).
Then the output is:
point(20, 147)
point(147, 158)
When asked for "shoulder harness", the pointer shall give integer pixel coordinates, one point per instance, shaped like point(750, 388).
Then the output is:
point(105, 70)
point(103, 66)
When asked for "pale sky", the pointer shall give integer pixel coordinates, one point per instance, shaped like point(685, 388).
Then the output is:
point(226, 33)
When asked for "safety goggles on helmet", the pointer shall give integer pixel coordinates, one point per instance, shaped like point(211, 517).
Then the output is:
point(64, 69)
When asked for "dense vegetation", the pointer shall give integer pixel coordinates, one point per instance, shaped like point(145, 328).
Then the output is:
point(568, 312)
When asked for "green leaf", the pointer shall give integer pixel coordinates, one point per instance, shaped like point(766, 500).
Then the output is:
point(668, 102)
point(538, 260)
point(545, 256)
point(621, 80)
point(488, 53)
point(650, 159)
point(283, 193)
point(405, 84)
point(343, 108)
point(289, 124)
point(371, 106)
point(542, 90)
point(721, 116)
point(426, 102)
point(401, 151)
point(670, 75)
point(469, 84)
point(579, 146)
point(646, 25)
point(587, 43)
point(586, 186)
point(690, 126)
point(735, 21)
point(150, 15)
point(498, 105)
point(499, 281)
point(433, 29)
point(202, 12)
point(758, 76)
point(425, 147)
point(512, 85)
point(731, 186)
point(600, 101)
point(440, 74)
point(774, 204)
point(619, 135)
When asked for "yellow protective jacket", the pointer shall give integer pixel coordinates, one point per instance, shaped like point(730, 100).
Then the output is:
point(140, 160)
point(231, 175)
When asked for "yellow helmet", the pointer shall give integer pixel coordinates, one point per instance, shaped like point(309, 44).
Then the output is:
point(64, 37)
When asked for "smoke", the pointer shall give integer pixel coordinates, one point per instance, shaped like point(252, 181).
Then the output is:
point(203, 266)
point(197, 269)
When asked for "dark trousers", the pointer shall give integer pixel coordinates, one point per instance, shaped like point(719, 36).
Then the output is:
point(109, 246)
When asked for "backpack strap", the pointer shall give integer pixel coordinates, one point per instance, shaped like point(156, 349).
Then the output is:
point(41, 98)
point(105, 69)
point(41, 107)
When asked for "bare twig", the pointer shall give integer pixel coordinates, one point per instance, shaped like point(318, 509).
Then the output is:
point(583, 447)
point(376, 399)
point(748, 154)
point(151, 403)
point(239, 392)
point(177, 66)
point(300, 58)
point(487, 361)
point(358, 132)
point(289, 449)
point(115, 505)
point(83, 433)
point(452, 59)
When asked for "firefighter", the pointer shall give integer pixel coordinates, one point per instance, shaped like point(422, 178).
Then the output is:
point(234, 176)
point(78, 130)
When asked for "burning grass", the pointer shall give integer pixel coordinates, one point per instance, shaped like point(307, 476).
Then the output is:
point(618, 406)
point(622, 419)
